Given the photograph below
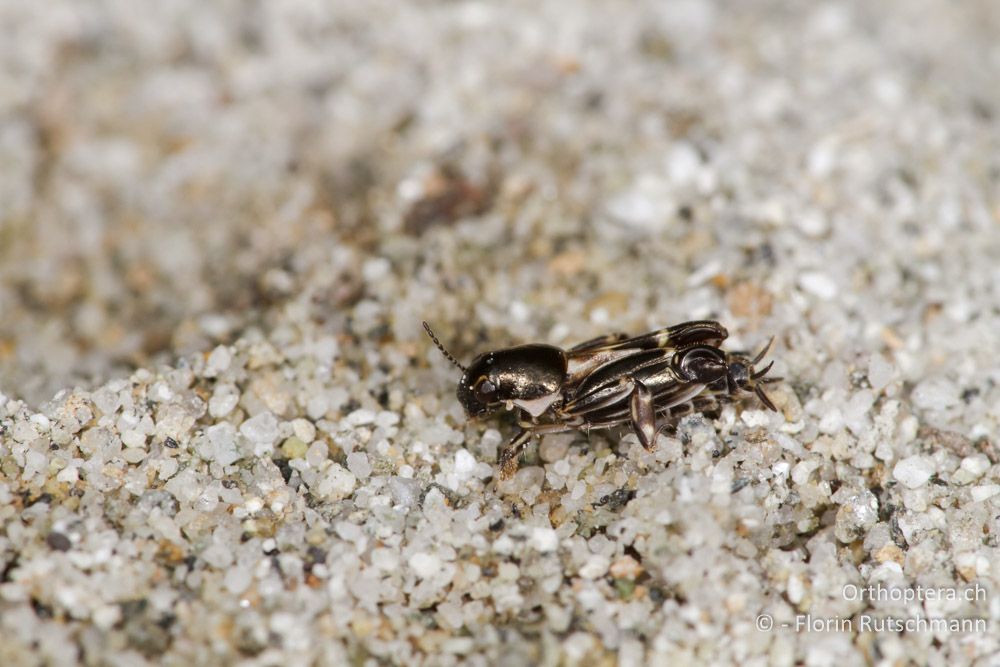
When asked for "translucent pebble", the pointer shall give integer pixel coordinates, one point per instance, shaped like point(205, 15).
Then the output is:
point(218, 361)
point(41, 421)
point(756, 418)
point(360, 417)
point(223, 400)
point(544, 539)
point(336, 483)
point(880, 372)
point(796, 589)
point(105, 616)
point(812, 223)
point(385, 559)
point(436, 434)
point(818, 284)
point(35, 462)
point(106, 400)
point(218, 555)
point(375, 268)
point(24, 431)
point(357, 463)
point(222, 444)
point(859, 404)
point(134, 454)
point(508, 571)
point(458, 645)
point(262, 428)
point(304, 430)
point(976, 465)
point(914, 471)
point(490, 443)
point(168, 468)
point(935, 393)
point(465, 464)
point(425, 564)
point(317, 453)
point(528, 477)
point(857, 409)
point(351, 532)
point(161, 392)
point(405, 492)
point(981, 493)
point(856, 516)
point(595, 566)
point(554, 447)
point(683, 163)
point(366, 588)
point(238, 579)
point(133, 439)
point(317, 406)
point(642, 208)
point(386, 419)
point(253, 505)
point(802, 470)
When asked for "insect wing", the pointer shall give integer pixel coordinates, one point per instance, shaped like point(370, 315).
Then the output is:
point(613, 371)
point(703, 332)
point(651, 368)
point(600, 342)
point(588, 357)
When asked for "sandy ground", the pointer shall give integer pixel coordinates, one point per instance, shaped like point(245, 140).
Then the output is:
point(224, 437)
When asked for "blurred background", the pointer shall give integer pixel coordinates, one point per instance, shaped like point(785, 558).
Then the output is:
point(173, 173)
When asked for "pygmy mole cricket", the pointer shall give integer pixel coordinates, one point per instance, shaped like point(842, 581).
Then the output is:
point(608, 381)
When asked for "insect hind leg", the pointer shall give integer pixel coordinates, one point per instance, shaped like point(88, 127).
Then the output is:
point(642, 411)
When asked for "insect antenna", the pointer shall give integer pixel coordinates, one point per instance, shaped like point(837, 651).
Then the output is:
point(441, 347)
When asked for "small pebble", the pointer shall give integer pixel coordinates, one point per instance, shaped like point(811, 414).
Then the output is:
point(262, 428)
point(58, 541)
point(425, 564)
point(357, 463)
point(544, 539)
point(935, 394)
point(914, 471)
point(818, 284)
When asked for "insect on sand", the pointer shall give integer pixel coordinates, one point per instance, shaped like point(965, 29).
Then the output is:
point(608, 381)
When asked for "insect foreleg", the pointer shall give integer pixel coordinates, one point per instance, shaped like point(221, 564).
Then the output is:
point(507, 461)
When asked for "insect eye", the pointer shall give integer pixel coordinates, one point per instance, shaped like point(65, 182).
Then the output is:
point(485, 390)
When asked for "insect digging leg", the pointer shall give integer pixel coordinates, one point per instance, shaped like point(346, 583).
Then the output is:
point(507, 461)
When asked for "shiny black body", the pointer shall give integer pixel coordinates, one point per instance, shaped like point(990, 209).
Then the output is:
point(608, 381)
